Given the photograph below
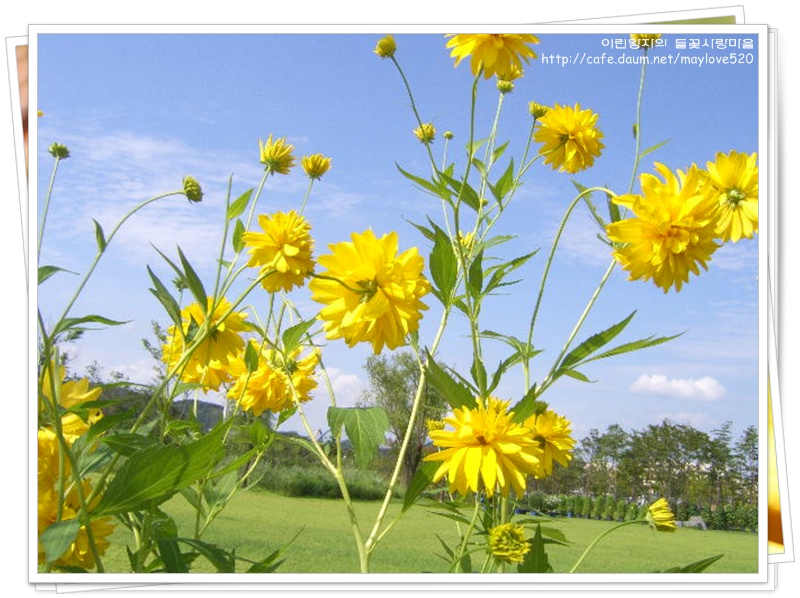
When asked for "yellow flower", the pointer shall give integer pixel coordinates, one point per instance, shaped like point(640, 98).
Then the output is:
point(386, 47)
point(316, 165)
point(70, 395)
point(498, 54)
point(434, 424)
point(485, 450)
point(734, 180)
point(48, 457)
point(276, 384)
point(508, 544)
point(645, 40)
point(425, 133)
point(552, 432)
point(371, 294)
point(277, 155)
point(672, 231)
point(283, 250)
point(660, 517)
point(570, 137)
point(210, 361)
point(79, 552)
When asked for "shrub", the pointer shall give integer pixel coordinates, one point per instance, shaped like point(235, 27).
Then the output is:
point(632, 512)
point(316, 482)
point(598, 507)
point(622, 508)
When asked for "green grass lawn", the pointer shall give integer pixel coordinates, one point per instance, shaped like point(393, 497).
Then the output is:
point(257, 522)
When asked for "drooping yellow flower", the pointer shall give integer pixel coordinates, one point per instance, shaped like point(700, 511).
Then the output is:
point(70, 395)
point(485, 450)
point(282, 251)
point(645, 40)
point(276, 384)
point(210, 361)
point(315, 165)
point(660, 517)
point(553, 433)
point(425, 133)
point(570, 138)
point(386, 47)
point(79, 553)
point(370, 292)
point(498, 54)
point(734, 181)
point(672, 232)
point(508, 544)
point(277, 155)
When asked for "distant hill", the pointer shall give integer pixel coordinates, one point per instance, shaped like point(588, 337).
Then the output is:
point(208, 414)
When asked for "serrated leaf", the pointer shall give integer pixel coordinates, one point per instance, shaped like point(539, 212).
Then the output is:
point(171, 556)
point(504, 184)
point(99, 236)
point(634, 346)
point(57, 538)
point(456, 394)
point(478, 372)
point(222, 560)
point(366, 428)
point(128, 444)
point(526, 406)
point(153, 475)
point(431, 187)
point(463, 191)
point(270, 563)
point(238, 205)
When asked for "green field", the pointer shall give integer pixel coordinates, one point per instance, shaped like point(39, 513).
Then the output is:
point(257, 522)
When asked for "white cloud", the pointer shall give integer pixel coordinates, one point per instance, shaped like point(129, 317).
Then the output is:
point(705, 388)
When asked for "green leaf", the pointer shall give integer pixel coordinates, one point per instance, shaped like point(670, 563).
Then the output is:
point(456, 394)
point(223, 561)
point(366, 428)
point(76, 323)
point(251, 357)
point(526, 406)
point(577, 376)
point(478, 372)
point(270, 564)
point(475, 276)
point(432, 187)
point(463, 191)
point(499, 151)
point(421, 479)
point(294, 334)
point(171, 556)
point(238, 205)
point(164, 297)
point(499, 272)
point(593, 343)
point(653, 148)
point(46, 272)
point(57, 537)
point(536, 560)
point(504, 184)
point(127, 444)
point(634, 346)
point(236, 239)
point(696, 567)
point(153, 475)
point(443, 265)
point(193, 281)
point(99, 236)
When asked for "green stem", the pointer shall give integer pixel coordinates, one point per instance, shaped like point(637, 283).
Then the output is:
point(468, 533)
point(637, 140)
point(597, 539)
point(47, 206)
point(548, 264)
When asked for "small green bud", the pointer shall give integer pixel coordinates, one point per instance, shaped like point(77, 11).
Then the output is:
point(192, 190)
point(59, 151)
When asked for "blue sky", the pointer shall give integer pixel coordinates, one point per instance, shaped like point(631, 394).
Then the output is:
point(139, 112)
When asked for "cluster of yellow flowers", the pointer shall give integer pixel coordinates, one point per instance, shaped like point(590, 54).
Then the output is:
point(486, 450)
point(55, 472)
point(678, 222)
point(370, 291)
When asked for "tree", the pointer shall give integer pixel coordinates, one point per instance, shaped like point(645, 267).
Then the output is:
point(393, 383)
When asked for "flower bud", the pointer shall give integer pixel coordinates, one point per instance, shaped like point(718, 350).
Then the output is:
point(425, 133)
point(192, 190)
point(537, 110)
point(447, 135)
point(386, 47)
point(316, 165)
point(59, 151)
